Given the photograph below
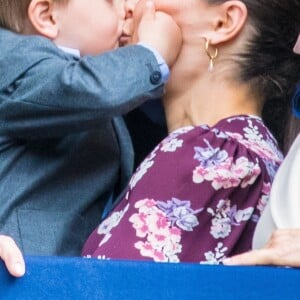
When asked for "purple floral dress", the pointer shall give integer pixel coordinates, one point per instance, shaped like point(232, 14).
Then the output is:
point(196, 198)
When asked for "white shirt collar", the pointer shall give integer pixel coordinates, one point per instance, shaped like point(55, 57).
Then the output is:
point(72, 51)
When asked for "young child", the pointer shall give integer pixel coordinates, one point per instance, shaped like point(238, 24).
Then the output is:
point(64, 148)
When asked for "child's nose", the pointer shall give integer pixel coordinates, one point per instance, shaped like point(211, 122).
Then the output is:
point(129, 7)
point(120, 7)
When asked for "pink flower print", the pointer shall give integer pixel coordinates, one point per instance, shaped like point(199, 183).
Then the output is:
point(235, 136)
point(139, 224)
point(257, 144)
point(159, 256)
point(159, 252)
point(147, 250)
point(199, 174)
point(158, 241)
point(148, 203)
point(263, 201)
point(168, 241)
point(241, 167)
point(221, 175)
point(175, 231)
point(229, 174)
point(223, 181)
point(266, 188)
point(162, 238)
point(162, 221)
point(147, 206)
point(153, 221)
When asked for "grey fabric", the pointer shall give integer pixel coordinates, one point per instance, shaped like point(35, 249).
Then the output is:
point(64, 148)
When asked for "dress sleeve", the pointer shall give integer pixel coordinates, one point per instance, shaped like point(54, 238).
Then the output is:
point(195, 198)
point(209, 188)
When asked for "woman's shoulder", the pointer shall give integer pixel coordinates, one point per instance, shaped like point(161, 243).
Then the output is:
point(248, 133)
point(242, 140)
point(249, 126)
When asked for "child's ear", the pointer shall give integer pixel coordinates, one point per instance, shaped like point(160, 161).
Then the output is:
point(40, 15)
point(229, 20)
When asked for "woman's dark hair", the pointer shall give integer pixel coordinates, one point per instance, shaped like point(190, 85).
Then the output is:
point(268, 63)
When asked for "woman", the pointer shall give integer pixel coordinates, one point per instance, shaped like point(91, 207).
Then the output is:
point(199, 193)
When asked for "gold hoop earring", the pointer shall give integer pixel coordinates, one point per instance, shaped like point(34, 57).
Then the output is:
point(210, 55)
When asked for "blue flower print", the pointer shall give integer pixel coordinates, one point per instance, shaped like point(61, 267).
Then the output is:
point(179, 212)
point(225, 217)
point(209, 157)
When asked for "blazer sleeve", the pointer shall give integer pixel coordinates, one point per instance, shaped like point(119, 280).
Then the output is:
point(50, 93)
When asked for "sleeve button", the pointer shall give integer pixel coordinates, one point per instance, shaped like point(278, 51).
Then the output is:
point(155, 77)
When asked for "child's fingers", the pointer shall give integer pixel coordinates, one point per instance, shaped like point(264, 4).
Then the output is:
point(12, 256)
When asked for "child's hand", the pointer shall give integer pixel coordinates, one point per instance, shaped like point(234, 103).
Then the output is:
point(12, 256)
point(159, 31)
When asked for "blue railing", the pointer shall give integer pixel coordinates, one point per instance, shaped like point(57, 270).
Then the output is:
point(77, 278)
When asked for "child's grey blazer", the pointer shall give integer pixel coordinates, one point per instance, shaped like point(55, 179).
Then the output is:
point(64, 149)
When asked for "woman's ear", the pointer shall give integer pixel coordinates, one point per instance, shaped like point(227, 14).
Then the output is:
point(228, 22)
point(40, 15)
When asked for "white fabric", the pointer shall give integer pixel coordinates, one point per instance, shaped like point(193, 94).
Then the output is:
point(72, 51)
point(283, 209)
